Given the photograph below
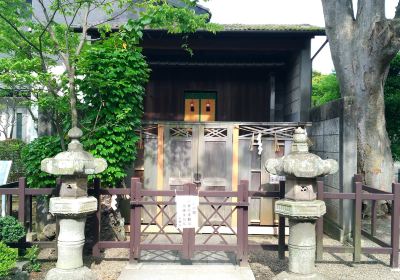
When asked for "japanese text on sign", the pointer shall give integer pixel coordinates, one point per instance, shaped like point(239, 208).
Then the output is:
point(186, 211)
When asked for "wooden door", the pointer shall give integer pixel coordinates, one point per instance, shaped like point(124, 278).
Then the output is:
point(200, 106)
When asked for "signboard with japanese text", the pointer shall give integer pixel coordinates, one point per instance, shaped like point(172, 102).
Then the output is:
point(186, 211)
point(5, 166)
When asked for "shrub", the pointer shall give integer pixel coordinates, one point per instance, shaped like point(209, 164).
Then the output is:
point(33, 154)
point(11, 150)
point(8, 259)
point(10, 229)
point(113, 85)
point(32, 255)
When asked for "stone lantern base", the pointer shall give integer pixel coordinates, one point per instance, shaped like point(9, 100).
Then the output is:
point(82, 273)
point(71, 213)
point(302, 216)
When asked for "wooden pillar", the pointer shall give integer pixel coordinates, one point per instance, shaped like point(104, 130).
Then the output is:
point(235, 168)
point(160, 166)
point(272, 98)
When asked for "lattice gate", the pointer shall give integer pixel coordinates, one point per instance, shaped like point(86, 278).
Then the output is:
point(210, 235)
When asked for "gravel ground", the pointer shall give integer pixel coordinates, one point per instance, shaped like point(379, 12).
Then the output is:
point(264, 264)
point(107, 268)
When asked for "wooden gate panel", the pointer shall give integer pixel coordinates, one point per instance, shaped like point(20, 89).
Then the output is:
point(215, 164)
point(150, 171)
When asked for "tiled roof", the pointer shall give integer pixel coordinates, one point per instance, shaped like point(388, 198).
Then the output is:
point(275, 28)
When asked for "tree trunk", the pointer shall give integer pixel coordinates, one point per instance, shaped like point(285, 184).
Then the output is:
point(373, 144)
point(361, 77)
point(363, 43)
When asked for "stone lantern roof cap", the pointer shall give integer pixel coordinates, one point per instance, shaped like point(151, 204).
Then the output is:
point(300, 162)
point(75, 160)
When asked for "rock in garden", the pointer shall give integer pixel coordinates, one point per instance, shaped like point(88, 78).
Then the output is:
point(49, 231)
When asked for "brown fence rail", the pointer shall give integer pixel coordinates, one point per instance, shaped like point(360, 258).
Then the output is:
point(363, 192)
point(25, 195)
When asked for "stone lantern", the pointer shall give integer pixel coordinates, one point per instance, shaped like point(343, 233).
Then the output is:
point(301, 169)
point(72, 206)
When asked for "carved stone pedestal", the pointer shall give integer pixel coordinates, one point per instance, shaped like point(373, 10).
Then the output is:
point(71, 213)
point(302, 216)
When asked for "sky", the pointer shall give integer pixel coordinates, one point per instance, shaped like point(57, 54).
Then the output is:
point(281, 12)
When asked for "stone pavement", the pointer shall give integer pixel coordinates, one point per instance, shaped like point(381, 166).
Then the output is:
point(167, 265)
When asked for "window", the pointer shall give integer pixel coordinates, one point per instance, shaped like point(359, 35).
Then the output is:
point(19, 126)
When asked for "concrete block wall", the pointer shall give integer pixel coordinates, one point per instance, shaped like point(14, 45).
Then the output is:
point(333, 135)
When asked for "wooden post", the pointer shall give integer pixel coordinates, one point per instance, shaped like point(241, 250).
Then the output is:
point(320, 225)
point(240, 225)
point(135, 219)
point(281, 225)
point(21, 200)
point(394, 257)
point(30, 213)
point(9, 205)
point(97, 219)
point(160, 167)
point(357, 220)
point(245, 229)
point(235, 168)
point(373, 217)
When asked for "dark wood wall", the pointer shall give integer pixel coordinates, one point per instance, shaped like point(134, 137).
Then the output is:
point(243, 94)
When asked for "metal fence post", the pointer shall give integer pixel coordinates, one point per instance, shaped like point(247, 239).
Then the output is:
point(320, 225)
point(97, 219)
point(281, 225)
point(357, 220)
point(394, 257)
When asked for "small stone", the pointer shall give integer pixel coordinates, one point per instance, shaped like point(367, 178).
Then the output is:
point(22, 265)
point(31, 236)
point(50, 231)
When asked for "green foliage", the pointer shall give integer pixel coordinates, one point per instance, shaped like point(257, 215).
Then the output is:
point(10, 229)
point(325, 88)
point(32, 155)
point(113, 72)
point(8, 259)
point(392, 106)
point(32, 256)
point(159, 14)
point(11, 150)
point(113, 90)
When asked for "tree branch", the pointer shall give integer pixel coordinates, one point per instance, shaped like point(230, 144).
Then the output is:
point(84, 30)
point(397, 13)
point(370, 11)
point(110, 18)
point(19, 32)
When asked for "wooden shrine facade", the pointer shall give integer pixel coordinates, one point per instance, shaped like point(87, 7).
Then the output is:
point(207, 112)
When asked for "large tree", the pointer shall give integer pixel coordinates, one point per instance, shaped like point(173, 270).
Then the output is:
point(363, 42)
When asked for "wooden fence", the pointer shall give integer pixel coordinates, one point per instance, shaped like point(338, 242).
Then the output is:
point(361, 192)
